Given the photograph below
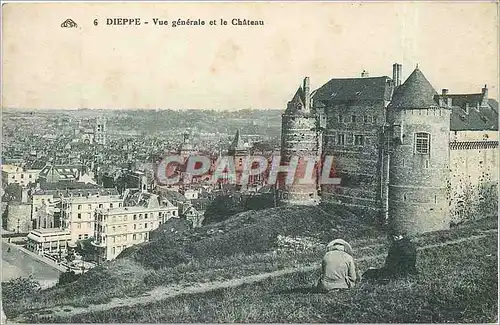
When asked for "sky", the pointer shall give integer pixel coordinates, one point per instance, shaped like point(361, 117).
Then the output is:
point(231, 67)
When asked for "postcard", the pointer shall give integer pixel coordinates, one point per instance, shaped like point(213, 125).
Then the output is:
point(250, 162)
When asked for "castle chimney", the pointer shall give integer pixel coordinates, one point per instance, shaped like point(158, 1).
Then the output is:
point(397, 70)
point(484, 101)
point(365, 74)
point(445, 100)
point(307, 91)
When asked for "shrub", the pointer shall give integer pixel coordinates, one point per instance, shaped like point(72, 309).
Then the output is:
point(19, 289)
point(68, 277)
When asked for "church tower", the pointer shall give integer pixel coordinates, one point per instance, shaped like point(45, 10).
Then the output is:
point(419, 131)
point(299, 140)
point(100, 130)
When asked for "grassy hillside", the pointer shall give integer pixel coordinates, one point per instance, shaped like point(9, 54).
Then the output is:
point(446, 290)
point(249, 232)
point(249, 243)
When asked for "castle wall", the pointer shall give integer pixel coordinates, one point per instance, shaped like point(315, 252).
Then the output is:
point(418, 193)
point(473, 180)
point(473, 135)
point(357, 164)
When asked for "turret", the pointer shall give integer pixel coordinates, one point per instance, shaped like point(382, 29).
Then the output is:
point(419, 158)
point(300, 141)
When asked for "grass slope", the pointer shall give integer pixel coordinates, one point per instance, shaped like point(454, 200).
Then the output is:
point(446, 290)
point(242, 245)
point(245, 244)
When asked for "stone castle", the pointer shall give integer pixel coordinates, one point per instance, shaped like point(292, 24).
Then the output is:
point(417, 159)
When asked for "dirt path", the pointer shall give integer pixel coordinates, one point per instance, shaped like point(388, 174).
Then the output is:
point(160, 293)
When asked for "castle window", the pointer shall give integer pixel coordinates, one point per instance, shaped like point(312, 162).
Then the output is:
point(359, 140)
point(366, 118)
point(340, 118)
point(353, 118)
point(422, 143)
point(404, 197)
point(341, 139)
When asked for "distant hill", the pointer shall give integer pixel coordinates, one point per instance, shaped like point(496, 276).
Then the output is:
point(259, 122)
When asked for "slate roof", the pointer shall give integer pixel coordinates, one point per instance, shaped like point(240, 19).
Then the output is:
point(296, 105)
point(64, 171)
point(299, 96)
point(353, 89)
point(415, 92)
point(478, 118)
point(173, 196)
point(36, 165)
point(67, 185)
point(493, 104)
point(77, 192)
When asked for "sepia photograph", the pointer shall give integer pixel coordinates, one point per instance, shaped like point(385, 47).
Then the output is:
point(249, 162)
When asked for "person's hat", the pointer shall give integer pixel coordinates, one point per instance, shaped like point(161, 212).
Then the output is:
point(347, 247)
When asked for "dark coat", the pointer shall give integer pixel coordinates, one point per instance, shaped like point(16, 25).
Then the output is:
point(402, 258)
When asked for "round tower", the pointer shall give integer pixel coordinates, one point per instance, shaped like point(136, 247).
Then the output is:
point(419, 157)
point(299, 141)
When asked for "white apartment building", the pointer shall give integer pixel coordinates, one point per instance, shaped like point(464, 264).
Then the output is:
point(78, 209)
point(122, 227)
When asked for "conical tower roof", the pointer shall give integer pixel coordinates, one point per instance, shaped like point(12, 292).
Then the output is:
point(299, 96)
point(415, 92)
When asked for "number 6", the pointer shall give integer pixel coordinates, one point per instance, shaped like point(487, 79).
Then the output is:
point(95, 22)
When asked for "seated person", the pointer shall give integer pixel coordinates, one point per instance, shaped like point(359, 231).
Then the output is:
point(338, 270)
point(400, 261)
point(402, 257)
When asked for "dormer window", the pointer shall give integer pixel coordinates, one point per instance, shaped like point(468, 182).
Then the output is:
point(422, 143)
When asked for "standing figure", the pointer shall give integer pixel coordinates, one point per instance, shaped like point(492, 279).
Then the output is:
point(337, 270)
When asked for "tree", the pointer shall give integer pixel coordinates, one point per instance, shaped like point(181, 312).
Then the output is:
point(20, 288)
point(68, 277)
point(12, 192)
point(85, 248)
point(261, 201)
point(222, 208)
